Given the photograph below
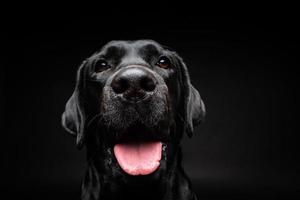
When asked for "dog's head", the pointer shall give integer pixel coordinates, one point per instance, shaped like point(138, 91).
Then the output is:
point(132, 102)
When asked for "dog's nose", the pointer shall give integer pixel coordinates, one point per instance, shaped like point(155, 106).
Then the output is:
point(134, 83)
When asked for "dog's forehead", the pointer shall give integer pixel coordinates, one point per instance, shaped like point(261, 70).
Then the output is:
point(140, 47)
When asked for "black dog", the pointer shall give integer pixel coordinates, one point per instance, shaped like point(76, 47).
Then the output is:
point(132, 103)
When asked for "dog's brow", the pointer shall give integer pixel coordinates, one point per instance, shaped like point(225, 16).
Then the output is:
point(113, 51)
point(149, 49)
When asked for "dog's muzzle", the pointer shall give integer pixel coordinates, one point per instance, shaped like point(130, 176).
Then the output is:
point(135, 107)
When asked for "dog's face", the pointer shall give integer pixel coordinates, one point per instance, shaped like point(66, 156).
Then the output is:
point(132, 103)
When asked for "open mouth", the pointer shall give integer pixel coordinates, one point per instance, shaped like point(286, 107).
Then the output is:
point(140, 153)
point(139, 158)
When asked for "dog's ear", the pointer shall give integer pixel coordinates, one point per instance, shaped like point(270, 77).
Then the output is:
point(193, 106)
point(73, 118)
point(195, 111)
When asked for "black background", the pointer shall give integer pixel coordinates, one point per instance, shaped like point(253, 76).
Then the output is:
point(244, 66)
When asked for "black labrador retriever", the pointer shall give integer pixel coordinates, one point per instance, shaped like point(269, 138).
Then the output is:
point(132, 103)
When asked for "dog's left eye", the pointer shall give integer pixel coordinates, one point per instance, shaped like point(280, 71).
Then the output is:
point(164, 62)
point(101, 65)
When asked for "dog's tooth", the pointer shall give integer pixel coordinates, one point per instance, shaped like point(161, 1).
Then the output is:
point(164, 147)
point(109, 151)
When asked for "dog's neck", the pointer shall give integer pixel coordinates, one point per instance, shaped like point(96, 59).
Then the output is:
point(98, 185)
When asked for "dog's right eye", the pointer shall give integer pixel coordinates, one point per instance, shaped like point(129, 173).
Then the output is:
point(101, 66)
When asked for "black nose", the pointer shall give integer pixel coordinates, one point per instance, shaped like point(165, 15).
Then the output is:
point(134, 83)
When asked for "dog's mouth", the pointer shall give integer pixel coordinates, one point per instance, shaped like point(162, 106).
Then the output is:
point(139, 158)
point(139, 150)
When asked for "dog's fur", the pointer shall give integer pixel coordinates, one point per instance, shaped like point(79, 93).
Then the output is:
point(98, 119)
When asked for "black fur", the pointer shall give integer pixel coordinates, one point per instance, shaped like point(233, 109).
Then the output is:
point(99, 119)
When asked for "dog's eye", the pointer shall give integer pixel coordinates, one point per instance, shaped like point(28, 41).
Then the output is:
point(164, 62)
point(101, 65)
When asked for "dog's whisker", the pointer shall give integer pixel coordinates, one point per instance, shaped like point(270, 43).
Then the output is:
point(95, 117)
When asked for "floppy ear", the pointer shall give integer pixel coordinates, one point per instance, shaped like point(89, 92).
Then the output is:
point(194, 108)
point(73, 118)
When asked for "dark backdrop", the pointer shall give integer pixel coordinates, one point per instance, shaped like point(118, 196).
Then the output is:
point(244, 67)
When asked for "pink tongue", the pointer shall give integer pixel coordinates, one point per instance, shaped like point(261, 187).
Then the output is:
point(138, 158)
